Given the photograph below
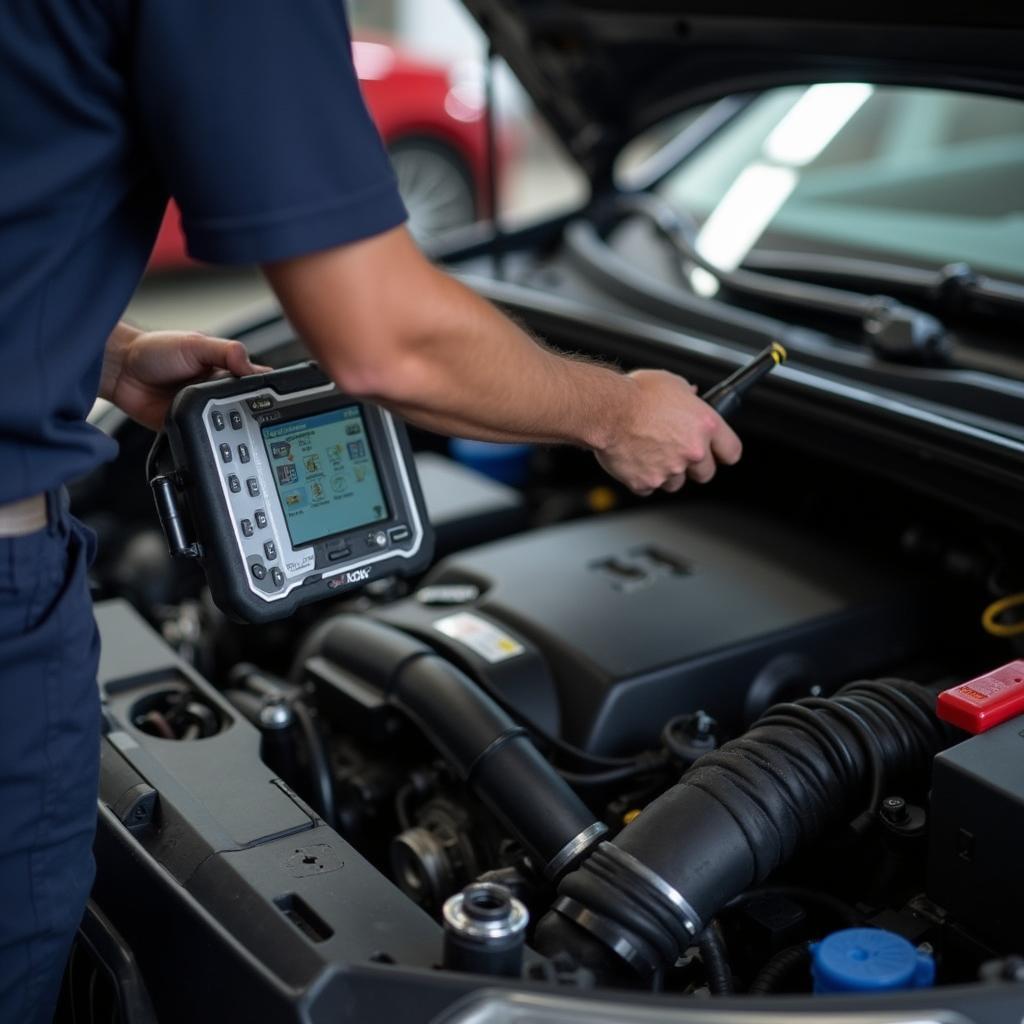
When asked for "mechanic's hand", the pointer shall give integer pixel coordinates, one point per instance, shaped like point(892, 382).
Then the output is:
point(143, 371)
point(669, 435)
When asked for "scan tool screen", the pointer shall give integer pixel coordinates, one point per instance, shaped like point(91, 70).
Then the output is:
point(325, 474)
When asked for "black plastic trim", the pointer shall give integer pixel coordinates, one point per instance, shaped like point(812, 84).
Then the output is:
point(954, 462)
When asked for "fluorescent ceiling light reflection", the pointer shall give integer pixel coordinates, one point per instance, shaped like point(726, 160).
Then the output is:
point(760, 190)
point(814, 121)
point(739, 220)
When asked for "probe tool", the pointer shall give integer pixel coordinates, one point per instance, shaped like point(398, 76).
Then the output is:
point(725, 396)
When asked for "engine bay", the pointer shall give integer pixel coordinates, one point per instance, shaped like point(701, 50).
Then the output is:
point(681, 746)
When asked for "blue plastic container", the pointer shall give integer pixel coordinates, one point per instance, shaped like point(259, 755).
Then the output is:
point(869, 960)
point(508, 463)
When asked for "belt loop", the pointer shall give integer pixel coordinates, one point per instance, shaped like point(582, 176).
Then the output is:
point(58, 504)
point(51, 513)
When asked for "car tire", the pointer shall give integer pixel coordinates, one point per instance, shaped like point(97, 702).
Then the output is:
point(436, 185)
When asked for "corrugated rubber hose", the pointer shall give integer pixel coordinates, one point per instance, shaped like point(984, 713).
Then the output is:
point(735, 816)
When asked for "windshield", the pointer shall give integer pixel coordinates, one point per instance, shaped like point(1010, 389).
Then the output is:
point(918, 176)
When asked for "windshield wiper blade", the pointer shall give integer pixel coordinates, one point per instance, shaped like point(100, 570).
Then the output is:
point(956, 286)
point(895, 331)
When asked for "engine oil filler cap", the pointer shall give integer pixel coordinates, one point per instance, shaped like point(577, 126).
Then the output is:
point(869, 960)
point(980, 704)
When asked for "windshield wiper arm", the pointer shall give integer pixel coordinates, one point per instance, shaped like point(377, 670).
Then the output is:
point(894, 330)
point(956, 286)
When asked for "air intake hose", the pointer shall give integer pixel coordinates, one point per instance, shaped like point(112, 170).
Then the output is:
point(494, 755)
point(734, 817)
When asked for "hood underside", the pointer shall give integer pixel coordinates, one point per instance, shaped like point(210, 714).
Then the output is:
point(601, 71)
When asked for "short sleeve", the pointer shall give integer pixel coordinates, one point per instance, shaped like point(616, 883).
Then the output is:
point(255, 119)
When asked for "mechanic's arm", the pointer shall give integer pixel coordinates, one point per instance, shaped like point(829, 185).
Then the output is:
point(144, 370)
point(389, 326)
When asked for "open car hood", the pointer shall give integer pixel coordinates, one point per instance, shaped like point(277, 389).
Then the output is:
point(603, 70)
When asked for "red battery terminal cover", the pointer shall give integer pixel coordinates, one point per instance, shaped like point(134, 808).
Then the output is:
point(986, 701)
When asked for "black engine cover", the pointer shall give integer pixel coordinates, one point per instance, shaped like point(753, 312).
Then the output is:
point(627, 619)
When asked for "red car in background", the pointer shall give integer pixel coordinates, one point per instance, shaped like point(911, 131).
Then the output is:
point(431, 118)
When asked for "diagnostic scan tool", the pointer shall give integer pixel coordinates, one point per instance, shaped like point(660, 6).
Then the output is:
point(287, 491)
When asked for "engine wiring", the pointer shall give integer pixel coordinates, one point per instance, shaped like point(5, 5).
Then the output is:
point(606, 768)
point(715, 957)
point(780, 968)
point(319, 762)
point(990, 617)
point(655, 763)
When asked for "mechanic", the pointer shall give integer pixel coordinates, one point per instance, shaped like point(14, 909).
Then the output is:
point(250, 115)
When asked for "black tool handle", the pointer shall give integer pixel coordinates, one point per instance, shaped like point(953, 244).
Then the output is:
point(725, 396)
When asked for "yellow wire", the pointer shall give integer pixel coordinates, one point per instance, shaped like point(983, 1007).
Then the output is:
point(990, 616)
point(779, 353)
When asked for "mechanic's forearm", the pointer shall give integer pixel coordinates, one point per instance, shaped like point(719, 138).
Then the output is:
point(439, 354)
point(480, 375)
point(113, 357)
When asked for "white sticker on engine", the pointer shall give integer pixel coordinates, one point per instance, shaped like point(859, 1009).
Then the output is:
point(479, 635)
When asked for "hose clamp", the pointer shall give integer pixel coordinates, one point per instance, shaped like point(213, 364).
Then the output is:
point(688, 917)
point(572, 849)
point(642, 961)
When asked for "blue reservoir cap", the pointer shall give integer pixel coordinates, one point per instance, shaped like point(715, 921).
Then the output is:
point(869, 960)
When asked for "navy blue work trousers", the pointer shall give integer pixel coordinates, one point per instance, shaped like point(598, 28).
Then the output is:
point(49, 758)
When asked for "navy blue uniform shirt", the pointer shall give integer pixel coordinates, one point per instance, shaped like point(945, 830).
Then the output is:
point(247, 112)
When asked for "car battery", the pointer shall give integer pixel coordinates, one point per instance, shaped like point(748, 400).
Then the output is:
point(976, 838)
